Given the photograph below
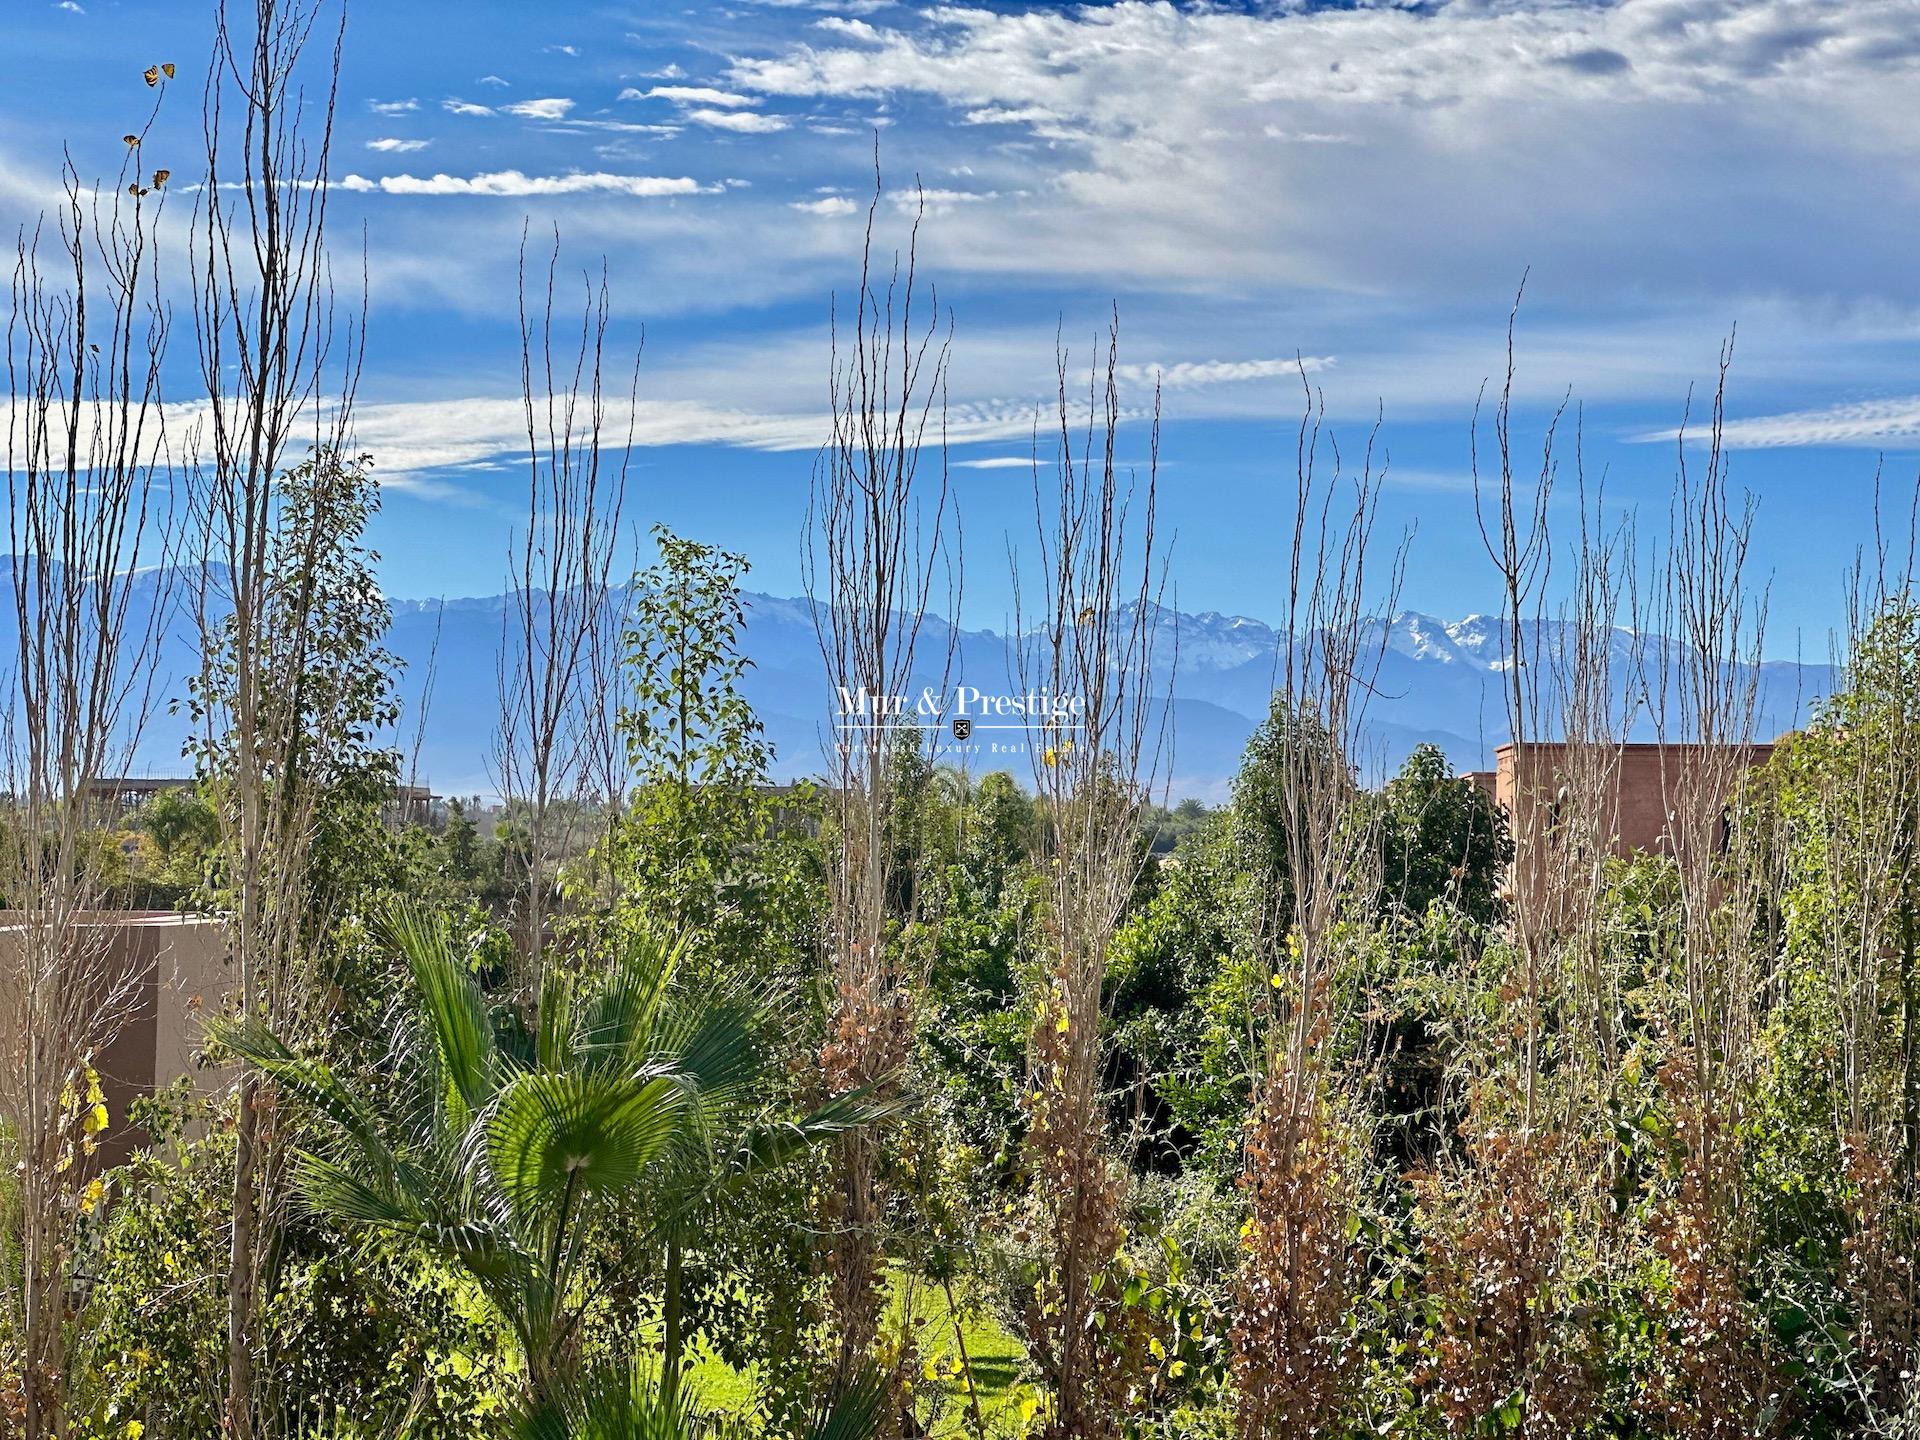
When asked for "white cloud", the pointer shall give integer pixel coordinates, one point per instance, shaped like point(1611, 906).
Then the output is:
point(1199, 141)
point(393, 107)
point(827, 205)
point(1011, 115)
point(513, 182)
point(552, 108)
point(421, 436)
point(1182, 155)
point(691, 95)
point(568, 50)
point(1892, 424)
point(937, 199)
point(852, 29)
point(391, 146)
point(1222, 372)
point(851, 7)
point(1044, 459)
point(70, 6)
point(465, 107)
point(433, 435)
point(492, 80)
point(1305, 137)
point(580, 125)
point(741, 122)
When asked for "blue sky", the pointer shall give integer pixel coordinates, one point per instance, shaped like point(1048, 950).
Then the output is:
point(1360, 185)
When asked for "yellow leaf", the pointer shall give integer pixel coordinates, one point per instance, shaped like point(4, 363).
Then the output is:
point(160, 177)
point(131, 139)
point(167, 70)
point(152, 77)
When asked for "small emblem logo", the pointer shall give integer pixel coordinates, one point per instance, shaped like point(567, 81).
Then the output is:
point(962, 727)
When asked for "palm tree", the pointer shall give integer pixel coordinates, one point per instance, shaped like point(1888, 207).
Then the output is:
point(621, 1117)
point(629, 1405)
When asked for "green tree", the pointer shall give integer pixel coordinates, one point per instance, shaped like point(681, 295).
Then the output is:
point(1181, 984)
point(366, 1343)
point(709, 848)
point(703, 847)
point(294, 705)
point(1266, 821)
point(980, 910)
point(1169, 827)
point(1442, 839)
point(180, 821)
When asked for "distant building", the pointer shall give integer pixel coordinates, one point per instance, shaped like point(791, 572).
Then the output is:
point(414, 805)
point(1642, 787)
point(128, 793)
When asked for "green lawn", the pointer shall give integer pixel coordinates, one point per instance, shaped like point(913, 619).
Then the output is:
point(997, 1360)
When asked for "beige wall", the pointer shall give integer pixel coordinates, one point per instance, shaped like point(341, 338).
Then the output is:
point(177, 968)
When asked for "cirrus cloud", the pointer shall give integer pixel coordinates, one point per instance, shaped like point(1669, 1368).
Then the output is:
point(514, 182)
point(1187, 373)
point(1885, 424)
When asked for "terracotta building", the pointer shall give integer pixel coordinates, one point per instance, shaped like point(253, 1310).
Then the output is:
point(1643, 788)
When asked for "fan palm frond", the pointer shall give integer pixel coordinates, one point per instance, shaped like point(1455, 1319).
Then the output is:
point(625, 1404)
point(453, 1006)
point(558, 1134)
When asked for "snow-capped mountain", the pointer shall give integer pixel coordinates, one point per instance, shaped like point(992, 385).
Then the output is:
point(1438, 680)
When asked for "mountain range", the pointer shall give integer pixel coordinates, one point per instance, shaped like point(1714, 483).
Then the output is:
point(1438, 681)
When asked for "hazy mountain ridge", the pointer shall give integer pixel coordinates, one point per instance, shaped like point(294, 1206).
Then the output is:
point(1438, 680)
